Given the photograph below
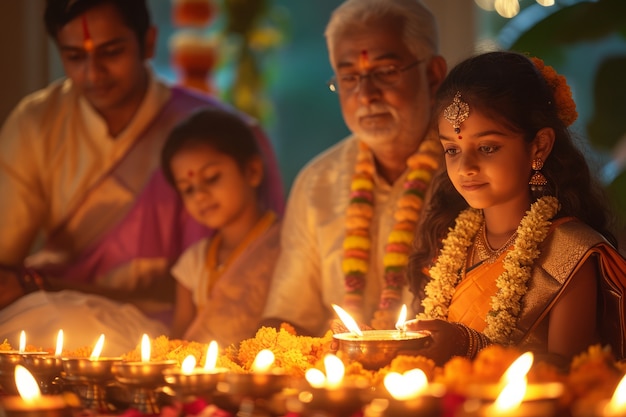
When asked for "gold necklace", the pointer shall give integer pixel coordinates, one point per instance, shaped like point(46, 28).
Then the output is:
point(483, 248)
point(444, 274)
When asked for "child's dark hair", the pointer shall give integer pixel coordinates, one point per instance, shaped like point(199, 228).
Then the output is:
point(134, 13)
point(508, 87)
point(220, 129)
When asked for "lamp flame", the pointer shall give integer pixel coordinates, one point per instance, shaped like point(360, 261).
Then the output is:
point(189, 363)
point(617, 404)
point(211, 356)
point(26, 385)
point(515, 382)
point(406, 386)
point(263, 361)
point(401, 318)
point(518, 369)
point(511, 395)
point(59, 349)
point(315, 377)
point(335, 369)
point(347, 320)
point(97, 349)
point(22, 341)
point(145, 348)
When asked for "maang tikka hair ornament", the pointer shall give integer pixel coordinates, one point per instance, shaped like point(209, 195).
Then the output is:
point(456, 113)
point(538, 180)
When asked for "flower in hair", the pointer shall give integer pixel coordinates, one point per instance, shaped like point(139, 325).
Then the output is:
point(565, 105)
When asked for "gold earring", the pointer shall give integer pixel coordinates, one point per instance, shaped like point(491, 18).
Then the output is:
point(538, 180)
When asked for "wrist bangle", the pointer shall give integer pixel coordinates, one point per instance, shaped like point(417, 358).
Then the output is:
point(476, 341)
point(29, 279)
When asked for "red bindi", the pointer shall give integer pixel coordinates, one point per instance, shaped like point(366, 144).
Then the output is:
point(87, 42)
point(363, 59)
point(460, 137)
point(190, 173)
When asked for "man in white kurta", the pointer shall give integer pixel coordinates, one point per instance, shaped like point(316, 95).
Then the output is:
point(84, 202)
point(308, 277)
point(384, 55)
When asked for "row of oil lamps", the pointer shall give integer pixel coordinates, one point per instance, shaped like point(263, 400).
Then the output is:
point(35, 384)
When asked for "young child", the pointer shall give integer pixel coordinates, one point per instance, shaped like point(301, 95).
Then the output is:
point(213, 161)
point(527, 255)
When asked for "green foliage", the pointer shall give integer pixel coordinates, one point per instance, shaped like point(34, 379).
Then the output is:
point(590, 21)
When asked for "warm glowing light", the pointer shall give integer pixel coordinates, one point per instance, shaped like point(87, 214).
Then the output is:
point(59, 349)
point(22, 341)
point(546, 3)
point(617, 404)
point(26, 385)
point(401, 318)
point(315, 377)
point(518, 369)
point(145, 348)
point(335, 369)
point(263, 361)
point(97, 349)
point(511, 395)
point(347, 320)
point(515, 382)
point(211, 356)
point(189, 363)
point(406, 386)
point(507, 8)
point(485, 4)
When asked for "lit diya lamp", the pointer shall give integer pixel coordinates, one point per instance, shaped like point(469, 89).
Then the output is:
point(615, 407)
point(91, 376)
point(513, 396)
point(47, 368)
point(252, 391)
point(330, 394)
point(410, 394)
point(190, 381)
point(375, 349)
point(9, 359)
point(143, 378)
point(30, 402)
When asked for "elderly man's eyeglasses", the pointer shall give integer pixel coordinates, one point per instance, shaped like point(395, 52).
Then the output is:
point(383, 77)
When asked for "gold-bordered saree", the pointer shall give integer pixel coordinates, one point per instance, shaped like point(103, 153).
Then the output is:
point(569, 244)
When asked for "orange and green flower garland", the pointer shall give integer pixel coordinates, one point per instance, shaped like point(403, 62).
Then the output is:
point(357, 242)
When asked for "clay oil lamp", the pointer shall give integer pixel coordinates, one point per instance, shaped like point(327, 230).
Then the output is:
point(191, 381)
point(142, 378)
point(375, 349)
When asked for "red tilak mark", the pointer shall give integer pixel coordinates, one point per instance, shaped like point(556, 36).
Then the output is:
point(190, 173)
point(460, 137)
point(363, 59)
point(87, 42)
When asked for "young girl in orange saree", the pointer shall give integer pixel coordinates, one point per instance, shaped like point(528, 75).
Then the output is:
point(517, 226)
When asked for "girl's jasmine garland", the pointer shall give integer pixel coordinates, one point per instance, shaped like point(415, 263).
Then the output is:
point(357, 242)
point(512, 283)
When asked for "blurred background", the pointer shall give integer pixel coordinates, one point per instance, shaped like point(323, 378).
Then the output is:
point(268, 58)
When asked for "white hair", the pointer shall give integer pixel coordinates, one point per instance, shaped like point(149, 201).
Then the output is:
point(419, 26)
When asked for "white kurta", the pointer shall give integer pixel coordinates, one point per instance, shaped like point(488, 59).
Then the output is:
point(308, 277)
point(53, 147)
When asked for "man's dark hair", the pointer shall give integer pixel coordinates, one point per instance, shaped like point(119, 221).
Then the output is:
point(134, 13)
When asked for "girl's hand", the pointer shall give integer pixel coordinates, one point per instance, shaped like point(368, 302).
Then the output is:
point(447, 339)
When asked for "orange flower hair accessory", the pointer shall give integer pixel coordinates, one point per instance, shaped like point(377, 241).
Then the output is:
point(565, 105)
